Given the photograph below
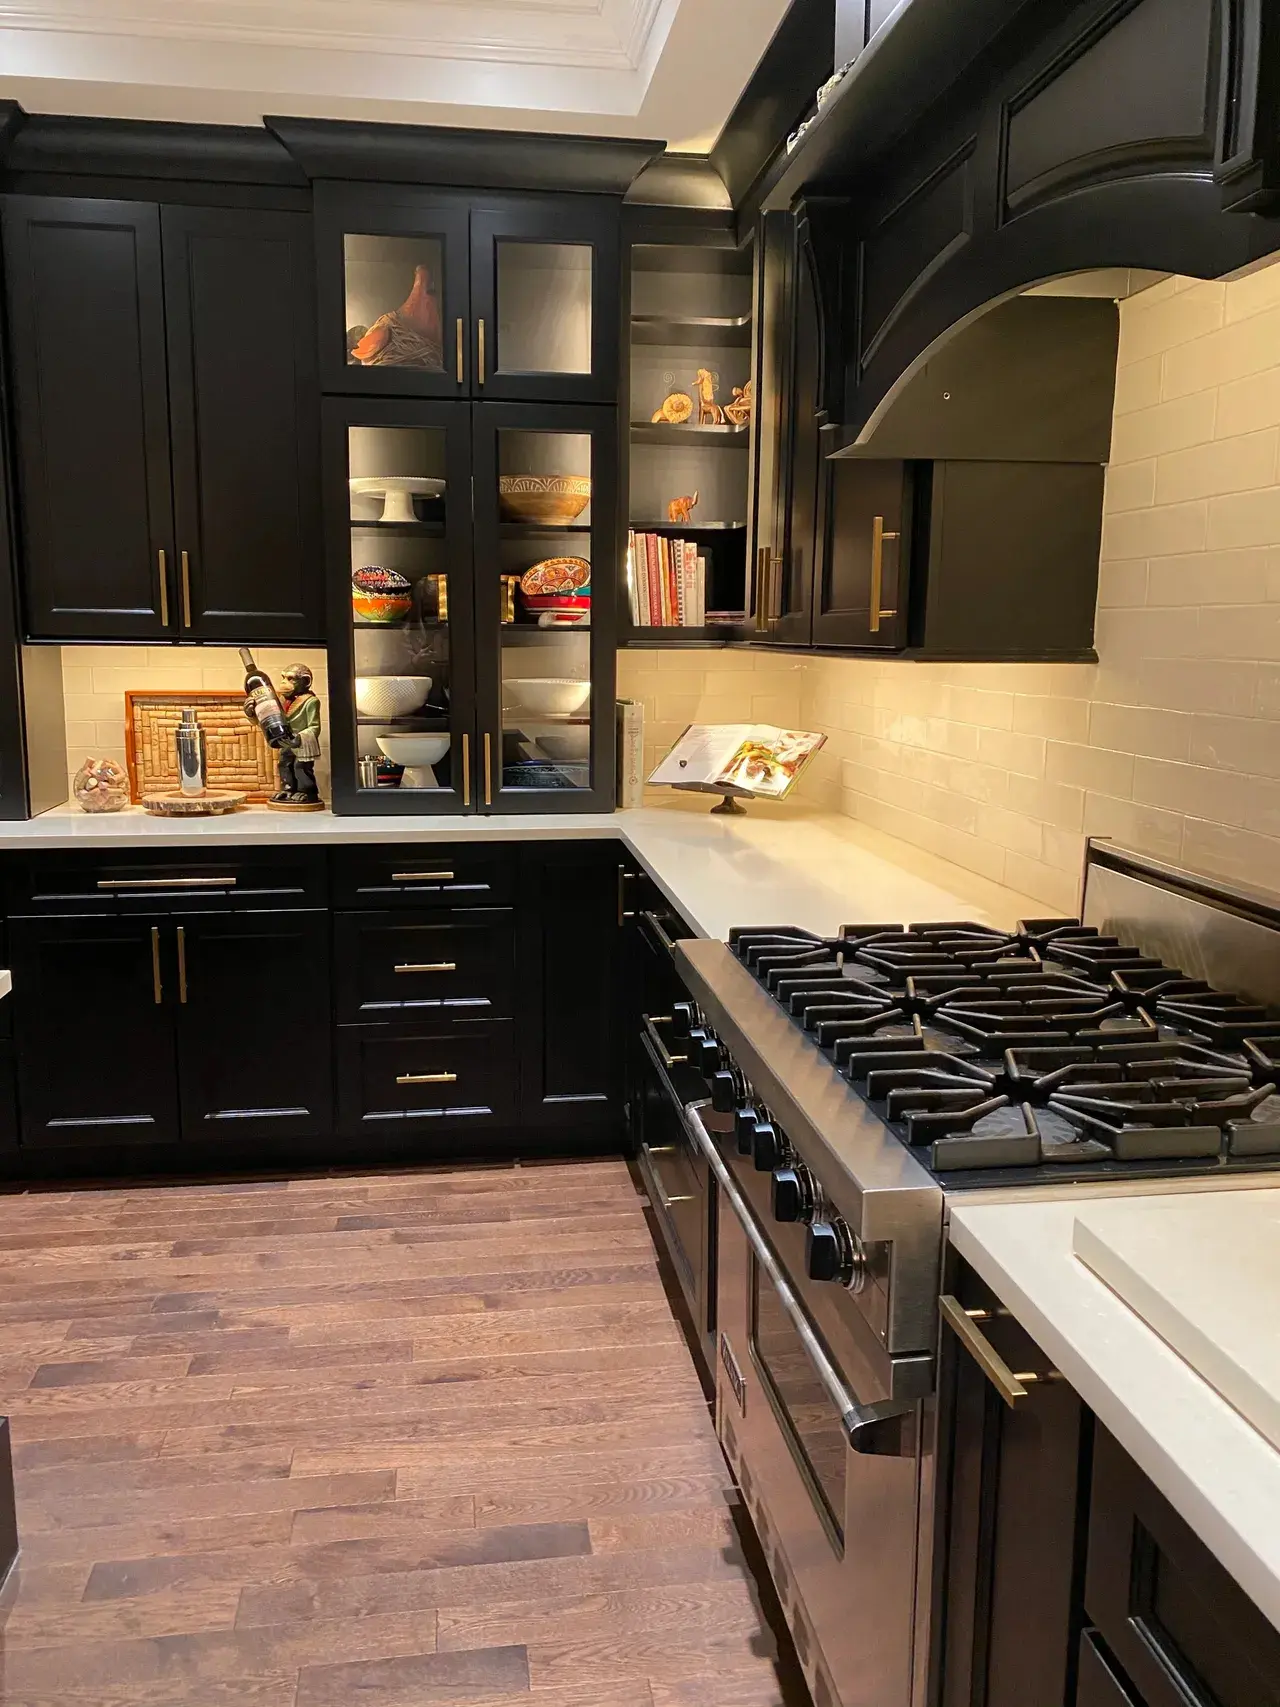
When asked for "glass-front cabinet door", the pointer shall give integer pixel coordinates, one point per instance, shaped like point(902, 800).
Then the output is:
point(403, 711)
point(545, 565)
point(544, 291)
point(394, 292)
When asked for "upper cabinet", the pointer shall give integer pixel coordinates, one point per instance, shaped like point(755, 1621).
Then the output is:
point(167, 436)
point(445, 294)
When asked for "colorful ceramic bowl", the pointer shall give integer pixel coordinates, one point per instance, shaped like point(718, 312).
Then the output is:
point(380, 595)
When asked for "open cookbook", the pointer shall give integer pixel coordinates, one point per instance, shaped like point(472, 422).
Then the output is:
point(738, 759)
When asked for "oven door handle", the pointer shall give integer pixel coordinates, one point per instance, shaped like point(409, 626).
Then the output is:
point(876, 1428)
point(660, 938)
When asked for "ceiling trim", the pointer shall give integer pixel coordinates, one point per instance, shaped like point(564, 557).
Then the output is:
point(587, 34)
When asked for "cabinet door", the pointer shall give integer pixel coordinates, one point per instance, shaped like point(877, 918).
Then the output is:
point(401, 635)
point(253, 1025)
point(570, 1065)
point(791, 574)
point(861, 580)
point(546, 294)
point(95, 1001)
point(772, 414)
point(428, 1086)
point(394, 292)
point(545, 486)
point(86, 330)
point(245, 418)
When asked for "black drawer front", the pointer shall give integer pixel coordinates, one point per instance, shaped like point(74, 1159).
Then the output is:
point(1098, 1684)
point(117, 885)
point(437, 875)
point(392, 968)
point(457, 1077)
point(1178, 1624)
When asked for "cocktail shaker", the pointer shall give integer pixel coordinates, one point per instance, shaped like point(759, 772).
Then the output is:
point(192, 765)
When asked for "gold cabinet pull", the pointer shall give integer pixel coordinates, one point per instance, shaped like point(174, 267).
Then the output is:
point(164, 588)
point(466, 770)
point(186, 589)
point(157, 988)
point(166, 883)
point(878, 537)
point(1011, 1387)
point(461, 341)
point(488, 769)
point(480, 354)
point(422, 877)
point(430, 966)
point(762, 589)
point(426, 1078)
point(182, 964)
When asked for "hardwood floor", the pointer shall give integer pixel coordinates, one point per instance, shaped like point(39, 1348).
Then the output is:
point(401, 1439)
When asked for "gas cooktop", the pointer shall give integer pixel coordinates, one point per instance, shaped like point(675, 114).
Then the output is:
point(1052, 1051)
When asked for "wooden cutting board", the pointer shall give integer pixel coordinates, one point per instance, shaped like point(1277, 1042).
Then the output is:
point(1203, 1270)
point(239, 760)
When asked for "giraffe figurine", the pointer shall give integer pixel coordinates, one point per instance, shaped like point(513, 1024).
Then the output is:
point(710, 414)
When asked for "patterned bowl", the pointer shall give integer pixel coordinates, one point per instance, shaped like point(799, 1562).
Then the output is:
point(380, 595)
point(390, 696)
point(551, 500)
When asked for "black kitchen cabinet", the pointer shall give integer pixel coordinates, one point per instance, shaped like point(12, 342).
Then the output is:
point(94, 1031)
point(569, 1038)
point(1010, 1489)
point(252, 1026)
point(858, 597)
point(455, 963)
point(473, 704)
point(1175, 1626)
point(436, 293)
point(166, 420)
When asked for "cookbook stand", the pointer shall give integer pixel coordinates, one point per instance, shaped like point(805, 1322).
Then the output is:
point(729, 796)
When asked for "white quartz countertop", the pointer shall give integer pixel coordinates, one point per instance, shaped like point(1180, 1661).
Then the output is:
point(1215, 1468)
point(775, 865)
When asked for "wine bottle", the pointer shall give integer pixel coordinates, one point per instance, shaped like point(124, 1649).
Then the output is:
point(260, 689)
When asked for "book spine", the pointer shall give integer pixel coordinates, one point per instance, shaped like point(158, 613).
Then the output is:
point(651, 575)
point(633, 591)
point(700, 593)
point(630, 754)
point(640, 575)
point(664, 568)
point(682, 587)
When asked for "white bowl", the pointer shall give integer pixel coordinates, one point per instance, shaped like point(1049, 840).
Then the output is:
point(397, 492)
point(417, 753)
point(391, 696)
point(549, 696)
point(568, 746)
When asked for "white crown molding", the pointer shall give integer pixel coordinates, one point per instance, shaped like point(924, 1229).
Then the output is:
point(601, 35)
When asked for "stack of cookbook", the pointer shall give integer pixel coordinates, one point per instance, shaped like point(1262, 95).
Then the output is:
point(666, 580)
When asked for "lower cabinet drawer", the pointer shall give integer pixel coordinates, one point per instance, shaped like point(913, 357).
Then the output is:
point(460, 964)
point(435, 874)
point(459, 1076)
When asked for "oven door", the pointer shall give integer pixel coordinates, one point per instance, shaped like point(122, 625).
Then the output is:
point(832, 1485)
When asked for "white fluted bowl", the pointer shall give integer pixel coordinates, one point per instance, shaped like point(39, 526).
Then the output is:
point(391, 696)
point(548, 696)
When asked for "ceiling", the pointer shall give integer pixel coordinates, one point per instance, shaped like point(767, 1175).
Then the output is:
point(670, 69)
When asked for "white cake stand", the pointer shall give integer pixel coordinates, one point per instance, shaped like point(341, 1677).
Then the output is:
point(397, 492)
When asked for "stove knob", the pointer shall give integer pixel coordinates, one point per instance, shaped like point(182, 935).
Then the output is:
point(766, 1147)
point(745, 1121)
point(705, 1055)
point(832, 1253)
point(792, 1193)
point(684, 1016)
point(724, 1092)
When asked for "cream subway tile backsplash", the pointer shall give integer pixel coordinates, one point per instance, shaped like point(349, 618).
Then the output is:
point(96, 678)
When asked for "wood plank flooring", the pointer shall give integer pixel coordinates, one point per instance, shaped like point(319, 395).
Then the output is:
point(398, 1439)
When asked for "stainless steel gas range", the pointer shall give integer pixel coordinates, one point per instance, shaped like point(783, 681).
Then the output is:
point(827, 1098)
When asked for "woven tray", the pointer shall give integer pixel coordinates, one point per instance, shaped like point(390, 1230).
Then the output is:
point(239, 759)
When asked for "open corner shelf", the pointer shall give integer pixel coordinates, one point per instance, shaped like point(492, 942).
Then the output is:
point(690, 438)
point(672, 639)
point(411, 530)
point(692, 332)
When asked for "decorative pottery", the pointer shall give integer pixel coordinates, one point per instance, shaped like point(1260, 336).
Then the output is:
point(556, 575)
point(550, 500)
point(548, 696)
point(380, 595)
point(397, 492)
point(101, 785)
point(213, 803)
point(417, 753)
point(391, 696)
point(408, 336)
point(674, 410)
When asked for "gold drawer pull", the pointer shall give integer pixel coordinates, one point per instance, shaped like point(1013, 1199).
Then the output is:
point(182, 963)
point(166, 883)
point(1011, 1387)
point(878, 537)
point(427, 1079)
point(459, 367)
point(164, 589)
point(422, 877)
point(186, 589)
point(430, 966)
point(157, 988)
